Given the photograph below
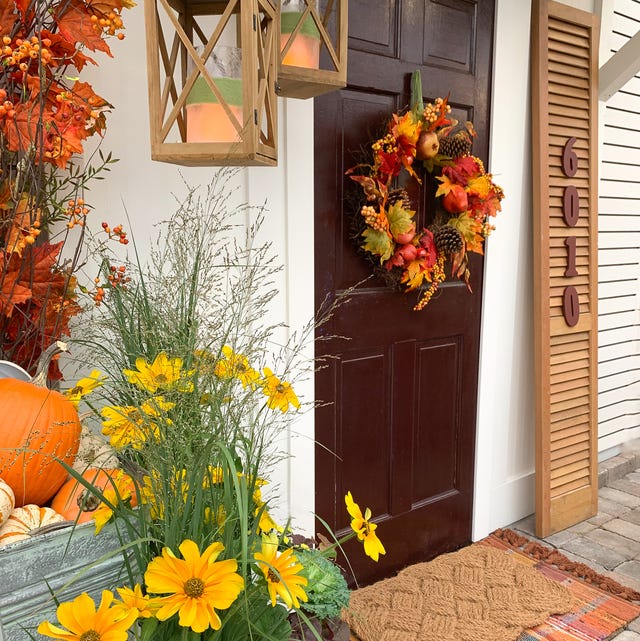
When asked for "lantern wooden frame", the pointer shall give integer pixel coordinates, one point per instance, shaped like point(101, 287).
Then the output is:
point(256, 32)
point(302, 82)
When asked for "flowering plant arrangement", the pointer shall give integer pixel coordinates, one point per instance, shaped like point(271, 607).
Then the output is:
point(46, 112)
point(192, 393)
point(467, 198)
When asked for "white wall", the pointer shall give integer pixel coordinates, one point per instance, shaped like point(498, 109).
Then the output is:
point(504, 490)
point(145, 189)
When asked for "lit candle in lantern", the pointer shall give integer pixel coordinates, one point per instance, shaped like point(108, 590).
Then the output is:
point(207, 120)
point(305, 48)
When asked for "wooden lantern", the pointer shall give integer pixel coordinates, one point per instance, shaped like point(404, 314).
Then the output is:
point(313, 47)
point(212, 71)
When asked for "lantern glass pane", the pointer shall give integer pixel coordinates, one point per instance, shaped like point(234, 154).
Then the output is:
point(308, 34)
point(313, 47)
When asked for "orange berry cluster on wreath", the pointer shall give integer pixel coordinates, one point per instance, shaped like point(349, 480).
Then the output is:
point(467, 195)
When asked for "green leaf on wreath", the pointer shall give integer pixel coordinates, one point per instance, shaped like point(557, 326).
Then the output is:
point(400, 219)
point(378, 243)
point(470, 229)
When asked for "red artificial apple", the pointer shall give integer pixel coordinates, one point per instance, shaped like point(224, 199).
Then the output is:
point(408, 252)
point(407, 237)
point(455, 201)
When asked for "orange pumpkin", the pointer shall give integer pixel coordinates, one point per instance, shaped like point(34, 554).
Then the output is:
point(75, 501)
point(24, 521)
point(37, 427)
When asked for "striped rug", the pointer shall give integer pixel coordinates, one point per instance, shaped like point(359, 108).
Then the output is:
point(597, 613)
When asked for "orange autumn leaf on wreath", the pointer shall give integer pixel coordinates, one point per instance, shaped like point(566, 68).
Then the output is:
point(484, 197)
point(415, 274)
point(479, 186)
point(446, 185)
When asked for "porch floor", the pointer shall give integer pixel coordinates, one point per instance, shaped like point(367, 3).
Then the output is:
point(610, 541)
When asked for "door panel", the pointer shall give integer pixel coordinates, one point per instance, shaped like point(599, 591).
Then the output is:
point(435, 474)
point(397, 422)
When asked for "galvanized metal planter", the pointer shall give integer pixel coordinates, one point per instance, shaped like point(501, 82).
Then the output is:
point(65, 562)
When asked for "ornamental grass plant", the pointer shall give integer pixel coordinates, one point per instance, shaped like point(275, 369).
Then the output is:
point(194, 391)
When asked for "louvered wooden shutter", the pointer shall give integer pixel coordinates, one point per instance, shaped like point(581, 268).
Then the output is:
point(564, 143)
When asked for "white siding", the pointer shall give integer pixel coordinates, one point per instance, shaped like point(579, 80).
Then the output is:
point(619, 246)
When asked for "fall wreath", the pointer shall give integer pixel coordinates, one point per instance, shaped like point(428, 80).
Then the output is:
point(466, 198)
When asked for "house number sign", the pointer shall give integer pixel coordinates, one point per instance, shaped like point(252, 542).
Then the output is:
point(571, 213)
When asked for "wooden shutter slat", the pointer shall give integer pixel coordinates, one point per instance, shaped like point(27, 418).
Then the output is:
point(563, 441)
point(563, 457)
point(560, 28)
point(568, 473)
point(565, 90)
point(565, 485)
point(572, 51)
point(564, 428)
point(570, 71)
point(576, 42)
point(562, 79)
point(569, 338)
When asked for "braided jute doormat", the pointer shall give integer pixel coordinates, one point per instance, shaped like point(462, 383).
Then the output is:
point(492, 590)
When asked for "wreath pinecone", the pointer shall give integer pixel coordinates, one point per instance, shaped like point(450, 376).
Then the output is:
point(455, 146)
point(448, 239)
point(401, 196)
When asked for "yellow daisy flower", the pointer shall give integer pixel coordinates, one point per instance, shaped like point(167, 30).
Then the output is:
point(217, 520)
point(281, 570)
point(266, 523)
point(363, 527)
point(85, 386)
point(195, 585)
point(164, 373)
point(235, 365)
point(127, 425)
point(153, 490)
point(83, 622)
point(133, 600)
point(148, 496)
point(121, 489)
point(213, 476)
point(280, 393)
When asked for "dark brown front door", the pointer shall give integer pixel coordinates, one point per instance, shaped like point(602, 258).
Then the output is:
point(398, 425)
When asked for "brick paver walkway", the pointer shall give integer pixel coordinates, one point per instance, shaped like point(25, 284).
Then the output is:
point(610, 541)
